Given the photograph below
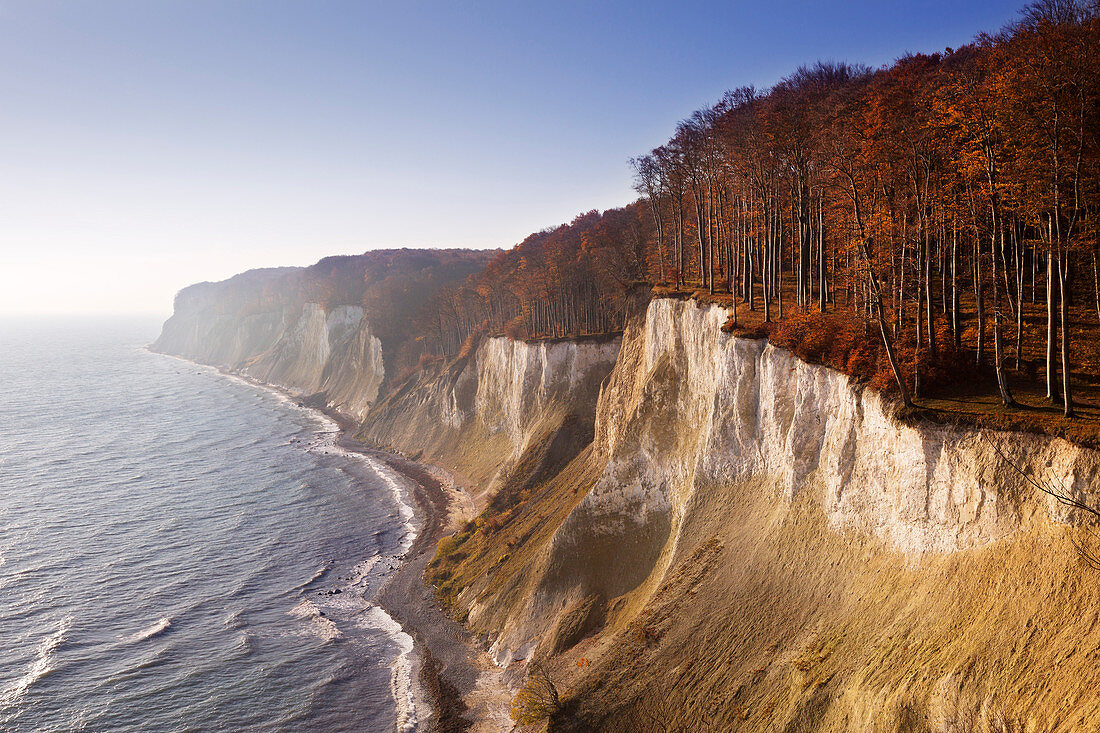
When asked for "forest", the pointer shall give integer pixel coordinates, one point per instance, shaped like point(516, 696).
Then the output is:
point(928, 223)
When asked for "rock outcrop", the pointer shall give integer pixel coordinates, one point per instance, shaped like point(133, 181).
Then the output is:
point(338, 330)
point(510, 402)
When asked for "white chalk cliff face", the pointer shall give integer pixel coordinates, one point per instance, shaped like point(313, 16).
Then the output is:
point(334, 353)
point(509, 398)
point(689, 408)
point(305, 350)
point(519, 382)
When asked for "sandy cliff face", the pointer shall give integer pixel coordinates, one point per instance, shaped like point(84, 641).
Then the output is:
point(735, 493)
point(303, 349)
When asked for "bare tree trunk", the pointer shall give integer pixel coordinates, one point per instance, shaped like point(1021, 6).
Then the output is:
point(1018, 250)
point(929, 307)
point(1034, 272)
point(886, 340)
point(822, 286)
point(899, 323)
point(998, 351)
point(1051, 328)
point(955, 328)
point(876, 292)
point(1096, 282)
point(979, 301)
point(779, 254)
point(1063, 267)
point(1004, 264)
point(919, 319)
point(766, 243)
point(945, 297)
point(680, 243)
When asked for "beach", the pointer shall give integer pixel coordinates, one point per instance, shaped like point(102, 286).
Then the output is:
point(467, 690)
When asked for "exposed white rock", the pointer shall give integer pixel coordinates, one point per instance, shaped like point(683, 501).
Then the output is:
point(745, 409)
point(689, 408)
point(518, 380)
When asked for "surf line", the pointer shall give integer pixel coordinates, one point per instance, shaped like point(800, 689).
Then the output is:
point(404, 685)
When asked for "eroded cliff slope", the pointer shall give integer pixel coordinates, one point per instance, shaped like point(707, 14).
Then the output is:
point(751, 542)
point(510, 413)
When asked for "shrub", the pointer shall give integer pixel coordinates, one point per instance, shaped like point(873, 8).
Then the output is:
point(538, 699)
point(470, 344)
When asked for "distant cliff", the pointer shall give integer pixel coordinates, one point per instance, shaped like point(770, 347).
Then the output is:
point(339, 329)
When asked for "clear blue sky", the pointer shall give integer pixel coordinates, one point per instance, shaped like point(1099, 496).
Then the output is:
point(147, 144)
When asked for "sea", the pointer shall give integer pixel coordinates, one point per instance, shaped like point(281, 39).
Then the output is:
point(181, 550)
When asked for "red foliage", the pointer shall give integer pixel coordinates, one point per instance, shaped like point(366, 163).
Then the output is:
point(854, 347)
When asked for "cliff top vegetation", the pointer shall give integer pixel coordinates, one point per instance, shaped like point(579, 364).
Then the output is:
point(929, 227)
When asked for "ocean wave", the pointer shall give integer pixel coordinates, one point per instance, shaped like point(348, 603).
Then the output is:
point(316, 576)
point(17, 576)
point(40, 666)
point(79, 720)
point(244, 643)
point(361, 571)
point(235, 619)
point(160, 626)
point(324, 627)
point(326, 444)
point(403, 507)
point(402, 687)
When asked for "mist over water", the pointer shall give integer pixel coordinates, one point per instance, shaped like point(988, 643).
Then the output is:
point(169, 543)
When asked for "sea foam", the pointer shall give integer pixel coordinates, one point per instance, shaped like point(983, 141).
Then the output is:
point(325, 628)
point(40, 666)
point(401, 679)
point(159, 627)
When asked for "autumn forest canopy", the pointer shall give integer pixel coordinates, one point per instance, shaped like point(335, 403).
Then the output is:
point(926, 227)
point(910, 224)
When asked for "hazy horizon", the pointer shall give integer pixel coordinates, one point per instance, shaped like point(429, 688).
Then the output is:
point(149, 146)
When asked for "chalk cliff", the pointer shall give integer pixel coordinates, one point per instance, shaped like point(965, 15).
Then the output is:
point(700, 531)
point(734, 493)
point(510, 402)
point(303, 349)
point(338, 329)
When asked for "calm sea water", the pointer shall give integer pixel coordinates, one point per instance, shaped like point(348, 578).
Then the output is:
point(169, 542)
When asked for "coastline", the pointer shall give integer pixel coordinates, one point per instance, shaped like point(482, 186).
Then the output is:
point(405, 596)
point(466, 689)
point(453, 670)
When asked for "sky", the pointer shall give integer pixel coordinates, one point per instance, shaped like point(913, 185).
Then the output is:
point(149, 144)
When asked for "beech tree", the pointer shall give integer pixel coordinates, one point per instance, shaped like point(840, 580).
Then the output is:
point(932, 194)
point(930, 203)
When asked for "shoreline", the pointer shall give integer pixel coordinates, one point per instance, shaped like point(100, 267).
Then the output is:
point(449, 669)
point(451, 673)
point(405, 596)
